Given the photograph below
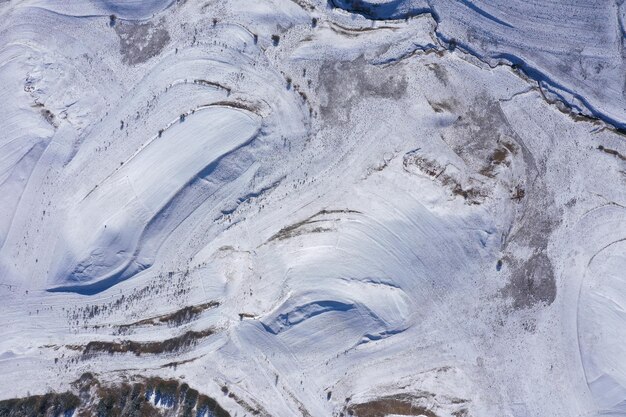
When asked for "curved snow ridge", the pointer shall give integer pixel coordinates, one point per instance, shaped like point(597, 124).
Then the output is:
point(102, 233)
point(359, 311)
point(300, 313)
point(572, 48)
point(29, 123)
point(125, 9)
point(602, 320)
point(382, 43)
point(601, 310)
point(554, 89)
point(137, 105)
point(383, 10)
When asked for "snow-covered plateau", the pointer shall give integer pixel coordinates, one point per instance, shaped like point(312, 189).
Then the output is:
point(313, 208)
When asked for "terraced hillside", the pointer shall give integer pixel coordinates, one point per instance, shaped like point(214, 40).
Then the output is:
point(312, 208)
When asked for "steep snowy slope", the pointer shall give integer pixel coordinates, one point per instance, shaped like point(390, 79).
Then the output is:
point(312, 208)
point(574, 48)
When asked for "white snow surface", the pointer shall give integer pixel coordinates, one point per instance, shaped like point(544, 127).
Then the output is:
point(384, 197)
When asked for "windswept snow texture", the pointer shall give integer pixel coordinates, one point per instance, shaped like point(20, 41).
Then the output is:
point(574, 49)
point(124, 9)
point(313, 207)
point(105, 228)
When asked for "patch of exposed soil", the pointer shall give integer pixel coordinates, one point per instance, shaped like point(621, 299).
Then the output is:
point(483, 138)
point(406, 405)
point(141, 41)
point(612, 152)
point(177, 318)
point(470, 190)
point(401, 405)
point(297, 229)
point(532, 282)
point(344, 84)
point(174, 344)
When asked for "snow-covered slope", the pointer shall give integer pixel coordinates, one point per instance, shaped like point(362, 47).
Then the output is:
point(316, 208)
point(574, 49)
